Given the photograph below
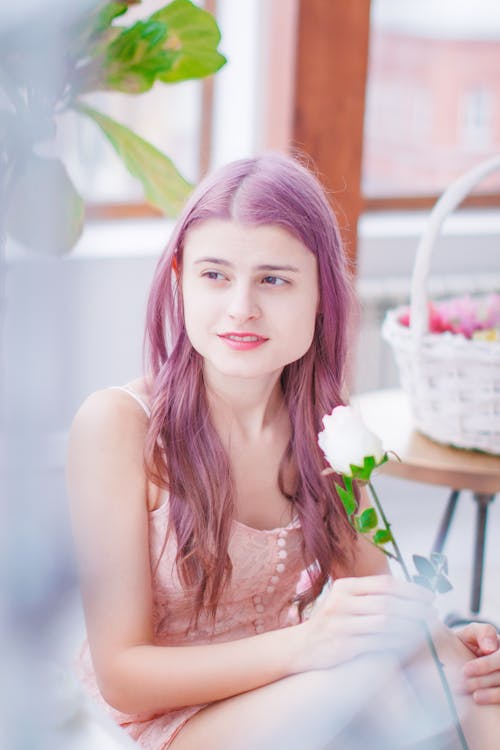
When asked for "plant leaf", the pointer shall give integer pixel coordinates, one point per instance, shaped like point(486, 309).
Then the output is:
point(423, 581)
point(193, 35)
point(164, 187)
point(348, 499)
point(363, 473)
point(134, 59)
point(45, 212)
point(91, 26)
point(424, 566)
point(442, 585)
point(440, 562)
point(368, 520)
point(382, 536)
point(110, 11)
point(177, 42)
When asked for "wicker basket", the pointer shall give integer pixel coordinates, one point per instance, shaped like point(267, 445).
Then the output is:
point(453, 383)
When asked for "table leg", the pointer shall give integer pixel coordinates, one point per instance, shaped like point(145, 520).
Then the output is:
point(446, 520)
point(482, 501)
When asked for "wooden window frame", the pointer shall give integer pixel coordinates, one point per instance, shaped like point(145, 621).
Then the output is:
point(333, 36)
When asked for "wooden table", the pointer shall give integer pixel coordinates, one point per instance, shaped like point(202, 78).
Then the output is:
point(387, 413)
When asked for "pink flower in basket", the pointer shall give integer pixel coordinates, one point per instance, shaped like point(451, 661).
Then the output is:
point(461, 315)
point(492, 316)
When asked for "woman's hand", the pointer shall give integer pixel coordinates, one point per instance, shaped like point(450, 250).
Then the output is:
point(364, 615)
point(481, 675)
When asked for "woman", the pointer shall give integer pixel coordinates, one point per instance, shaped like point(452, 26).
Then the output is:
point(198, 501)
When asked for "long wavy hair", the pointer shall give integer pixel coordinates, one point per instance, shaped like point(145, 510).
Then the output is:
point(183, 451)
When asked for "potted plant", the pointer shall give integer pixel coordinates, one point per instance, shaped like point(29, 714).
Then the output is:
point(90, 51)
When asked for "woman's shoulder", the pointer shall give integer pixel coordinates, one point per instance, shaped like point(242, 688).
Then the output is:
point(114, 408)
point(140, 386)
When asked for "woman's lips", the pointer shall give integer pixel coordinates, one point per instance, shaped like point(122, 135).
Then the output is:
point(242, 341)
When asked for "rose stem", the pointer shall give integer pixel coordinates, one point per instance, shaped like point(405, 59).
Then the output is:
point(388, 527)
point(430, 642)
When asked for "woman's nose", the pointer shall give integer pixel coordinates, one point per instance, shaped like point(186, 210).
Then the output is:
point(243, 303)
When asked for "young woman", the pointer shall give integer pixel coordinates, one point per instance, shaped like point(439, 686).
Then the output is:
point(198, 501)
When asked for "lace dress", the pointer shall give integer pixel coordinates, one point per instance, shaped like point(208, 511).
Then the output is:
point(267, 566)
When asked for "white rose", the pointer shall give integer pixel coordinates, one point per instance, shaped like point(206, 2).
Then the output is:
point(346, 440)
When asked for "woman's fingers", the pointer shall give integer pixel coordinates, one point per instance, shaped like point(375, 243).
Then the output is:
point(482, 665)
point(391, 607)
point(381, 596)
point(487, 697)
point(480, 638)
point(370, 614)
point(492, 679)
point(381, 585)
point(482, 678)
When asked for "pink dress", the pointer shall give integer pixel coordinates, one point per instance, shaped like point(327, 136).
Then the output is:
point(267, 566)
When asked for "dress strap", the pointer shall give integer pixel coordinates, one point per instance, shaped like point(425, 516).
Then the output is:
point(135, 396)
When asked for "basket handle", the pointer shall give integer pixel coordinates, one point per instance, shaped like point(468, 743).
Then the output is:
point(449, 200)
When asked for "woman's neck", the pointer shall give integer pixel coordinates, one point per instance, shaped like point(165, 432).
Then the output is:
point(248, 407)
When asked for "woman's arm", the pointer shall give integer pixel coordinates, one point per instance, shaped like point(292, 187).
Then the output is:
point(108, 487)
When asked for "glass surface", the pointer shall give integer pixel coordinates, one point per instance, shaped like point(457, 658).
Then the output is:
point(433, 94)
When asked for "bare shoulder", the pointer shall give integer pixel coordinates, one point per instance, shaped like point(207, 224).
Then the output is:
point(109, 409)
point(142, 387)
point(107, 435)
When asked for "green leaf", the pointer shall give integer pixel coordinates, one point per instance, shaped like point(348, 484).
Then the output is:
point(369, 463)
point(347, 498)
point(92, 25)
point(134, 59)
point(193, 35)
point(164, 187)
point(368, 520)
point(424, 566)
point(176, 43)
point(45, 212)
point(135, 43)
point(363, 473)
point(382, 536)
point(110, 11)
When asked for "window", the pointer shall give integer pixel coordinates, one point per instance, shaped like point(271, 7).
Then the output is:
point(433, 101)
point(199, 124)
point(169, 116)
point(475, 126)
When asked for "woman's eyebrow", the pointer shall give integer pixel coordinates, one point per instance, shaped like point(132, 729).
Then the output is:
point(262, 267)
point(268, 267)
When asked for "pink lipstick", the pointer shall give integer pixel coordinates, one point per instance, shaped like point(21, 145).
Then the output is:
point(242, 341)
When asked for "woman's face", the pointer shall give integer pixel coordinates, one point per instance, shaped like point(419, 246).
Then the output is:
point(250, 297)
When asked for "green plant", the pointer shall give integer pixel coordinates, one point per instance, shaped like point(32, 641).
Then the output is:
point(92, 51)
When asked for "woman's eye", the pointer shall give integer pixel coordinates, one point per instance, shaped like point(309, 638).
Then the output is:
point(274, 280)
point(214, 275)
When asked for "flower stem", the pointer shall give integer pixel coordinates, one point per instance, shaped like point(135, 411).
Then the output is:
point(377, 546)
point(447, 690)
point(430, 642)
point(387, 525)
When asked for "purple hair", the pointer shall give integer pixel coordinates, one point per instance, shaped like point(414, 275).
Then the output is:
point(183, 450)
